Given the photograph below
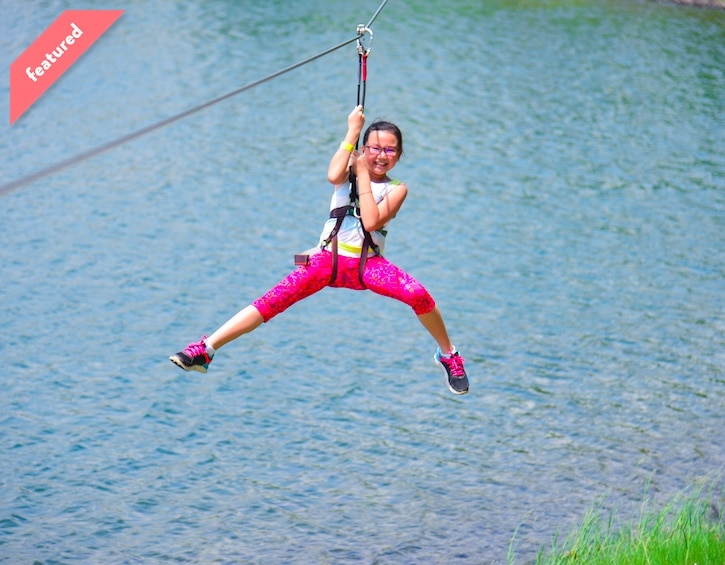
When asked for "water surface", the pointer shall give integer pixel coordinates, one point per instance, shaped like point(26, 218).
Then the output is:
point(566, 209)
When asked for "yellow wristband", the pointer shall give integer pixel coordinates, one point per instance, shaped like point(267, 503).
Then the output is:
point(347, 146)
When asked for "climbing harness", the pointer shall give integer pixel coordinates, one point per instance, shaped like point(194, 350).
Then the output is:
point(47, 171)
point(353, 208)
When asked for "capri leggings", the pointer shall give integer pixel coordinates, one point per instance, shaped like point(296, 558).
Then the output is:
point(381, 277)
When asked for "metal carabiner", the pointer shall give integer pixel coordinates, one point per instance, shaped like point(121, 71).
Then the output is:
point(363, 30)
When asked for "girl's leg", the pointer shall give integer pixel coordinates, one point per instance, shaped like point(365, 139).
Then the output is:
point(433, 322)
point(384, 278)
point(299, 284)
point(245, 321)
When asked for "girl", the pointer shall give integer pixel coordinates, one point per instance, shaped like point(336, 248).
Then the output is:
point(341, 260)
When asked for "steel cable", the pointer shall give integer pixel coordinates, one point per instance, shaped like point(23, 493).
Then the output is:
point(16, 184)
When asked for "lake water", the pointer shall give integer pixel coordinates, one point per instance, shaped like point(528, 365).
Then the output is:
point(566, 166)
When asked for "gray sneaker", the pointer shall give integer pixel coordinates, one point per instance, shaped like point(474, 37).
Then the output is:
point(193, 357)
point(456, 377)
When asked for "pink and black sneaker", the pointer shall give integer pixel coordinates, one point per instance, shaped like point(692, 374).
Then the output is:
point(193, 357)
point(456, 377)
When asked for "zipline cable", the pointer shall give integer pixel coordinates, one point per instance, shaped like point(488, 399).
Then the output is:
point(4, 189)
point(375, 15)
point(14, 185)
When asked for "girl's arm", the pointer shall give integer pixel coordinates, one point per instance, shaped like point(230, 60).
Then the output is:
point(374, 216)
point(338, 171)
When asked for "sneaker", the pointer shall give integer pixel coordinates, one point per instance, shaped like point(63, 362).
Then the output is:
point(193, 357)
point(456, 377)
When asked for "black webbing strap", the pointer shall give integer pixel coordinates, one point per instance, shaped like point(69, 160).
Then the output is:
point(368, 243)
point(340, 214)
point(367, 238)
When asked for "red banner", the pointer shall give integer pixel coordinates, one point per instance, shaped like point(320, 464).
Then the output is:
point(52, 54)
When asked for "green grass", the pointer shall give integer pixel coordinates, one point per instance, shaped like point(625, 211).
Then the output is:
point(690, 530)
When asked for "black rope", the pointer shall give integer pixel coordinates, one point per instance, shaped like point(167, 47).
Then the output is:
point(361, 89)
point(16, 184)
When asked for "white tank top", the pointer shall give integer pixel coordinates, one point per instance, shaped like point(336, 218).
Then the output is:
point(350, 237)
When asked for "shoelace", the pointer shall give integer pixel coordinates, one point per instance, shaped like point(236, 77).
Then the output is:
point(194, 349)
point(455, 362)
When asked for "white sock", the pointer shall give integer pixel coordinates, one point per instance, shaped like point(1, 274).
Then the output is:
point(451, 352)
point(210, 351)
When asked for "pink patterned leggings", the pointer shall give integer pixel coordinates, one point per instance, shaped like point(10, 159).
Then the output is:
point(381, 276)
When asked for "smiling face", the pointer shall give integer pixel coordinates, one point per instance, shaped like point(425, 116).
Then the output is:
point(382, 147)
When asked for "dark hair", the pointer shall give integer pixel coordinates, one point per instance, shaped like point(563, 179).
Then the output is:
point(382, 125)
